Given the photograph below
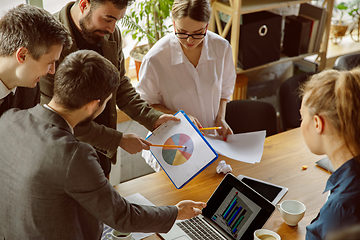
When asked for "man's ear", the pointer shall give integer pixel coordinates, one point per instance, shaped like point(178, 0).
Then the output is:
point(92, 106)
point(83, 5)
point(319, 124)
point(21, 54)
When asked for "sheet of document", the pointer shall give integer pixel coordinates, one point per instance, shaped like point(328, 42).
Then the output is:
point(138, 199)
point(244, 147)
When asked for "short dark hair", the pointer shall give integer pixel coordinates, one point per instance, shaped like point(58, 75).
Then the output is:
point(198, 10)
point(33, 28)
point(119, 4)
point(84, 76)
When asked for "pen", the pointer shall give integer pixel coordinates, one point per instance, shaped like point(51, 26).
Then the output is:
point(169, 146)
point(210, 128)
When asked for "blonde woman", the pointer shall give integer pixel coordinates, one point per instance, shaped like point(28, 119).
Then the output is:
point(331, 125)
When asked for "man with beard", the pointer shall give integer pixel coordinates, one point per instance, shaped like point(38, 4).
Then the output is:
point(92, 25)
point(51, 185)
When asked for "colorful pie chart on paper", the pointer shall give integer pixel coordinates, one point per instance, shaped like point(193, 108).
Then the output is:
point(178, 156)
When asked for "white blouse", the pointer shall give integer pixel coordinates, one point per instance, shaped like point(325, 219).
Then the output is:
point(168, 78)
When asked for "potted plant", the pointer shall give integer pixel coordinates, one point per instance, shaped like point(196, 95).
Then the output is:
point(339, 26)
point(354, 12)
point(147, 20)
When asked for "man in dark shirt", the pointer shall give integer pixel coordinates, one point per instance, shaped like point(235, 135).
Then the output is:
point(92, 25)
point(31, 40)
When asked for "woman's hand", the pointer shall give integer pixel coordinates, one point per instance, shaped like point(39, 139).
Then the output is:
point(195, 121)
point(220, 121)
point(225, 128)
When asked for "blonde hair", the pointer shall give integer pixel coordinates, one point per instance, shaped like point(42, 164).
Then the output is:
point(336, 95)
point(198, 10)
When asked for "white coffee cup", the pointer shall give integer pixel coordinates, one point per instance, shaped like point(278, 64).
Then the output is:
point(291, 211)
point(264, 234)
point(116, 235)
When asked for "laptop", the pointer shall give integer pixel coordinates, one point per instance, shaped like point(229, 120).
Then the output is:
point(234, 211)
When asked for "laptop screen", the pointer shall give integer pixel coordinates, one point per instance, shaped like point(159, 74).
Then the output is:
point(237, 209)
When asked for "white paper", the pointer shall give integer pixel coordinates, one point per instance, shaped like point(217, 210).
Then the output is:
point(244, 147)
point(137, 198)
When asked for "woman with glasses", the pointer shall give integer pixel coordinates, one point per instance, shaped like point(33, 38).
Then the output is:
point(191, 70)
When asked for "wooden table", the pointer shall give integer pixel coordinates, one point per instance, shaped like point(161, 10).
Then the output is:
point(281, 164)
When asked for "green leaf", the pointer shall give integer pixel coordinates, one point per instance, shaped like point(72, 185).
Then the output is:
point(128, 22)
point(143, 11)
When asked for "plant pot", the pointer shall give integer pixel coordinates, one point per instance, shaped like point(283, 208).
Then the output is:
point(337, 31)
point(137, 53)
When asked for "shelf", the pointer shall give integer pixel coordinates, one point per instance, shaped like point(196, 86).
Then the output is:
point(283, 59)
point(236, 8)
point(250, 6)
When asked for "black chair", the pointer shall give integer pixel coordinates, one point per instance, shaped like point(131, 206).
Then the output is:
point(290, 101)
point(347, 62)
point(251, 115)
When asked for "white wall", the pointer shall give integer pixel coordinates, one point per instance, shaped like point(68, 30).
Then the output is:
point(7, 4)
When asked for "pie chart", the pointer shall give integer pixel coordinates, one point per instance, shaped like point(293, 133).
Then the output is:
point(178, 156)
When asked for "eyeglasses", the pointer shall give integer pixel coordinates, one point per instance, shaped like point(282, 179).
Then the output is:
point(194, 36)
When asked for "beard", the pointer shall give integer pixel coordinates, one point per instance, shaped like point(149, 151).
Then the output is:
point(88, 32)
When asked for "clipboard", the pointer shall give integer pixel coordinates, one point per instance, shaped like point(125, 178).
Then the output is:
point(181, 164)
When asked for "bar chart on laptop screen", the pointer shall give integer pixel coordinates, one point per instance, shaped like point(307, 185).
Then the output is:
point(232, 214)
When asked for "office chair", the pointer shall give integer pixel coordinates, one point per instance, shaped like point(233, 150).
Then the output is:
point(251, 115)
point(347, 62)
point(290, 101)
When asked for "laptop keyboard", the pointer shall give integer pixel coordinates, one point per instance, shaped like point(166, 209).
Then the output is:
point(197, 229)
